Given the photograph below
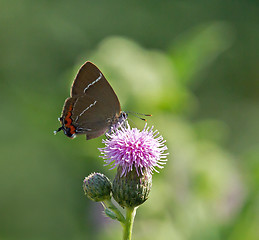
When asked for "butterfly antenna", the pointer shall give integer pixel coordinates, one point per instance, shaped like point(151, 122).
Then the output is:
point(147, 115)
point(136, 115)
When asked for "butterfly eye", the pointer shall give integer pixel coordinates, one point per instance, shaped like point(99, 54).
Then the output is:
point(65, 122)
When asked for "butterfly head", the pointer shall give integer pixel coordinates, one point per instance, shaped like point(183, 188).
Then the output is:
point(123, 117)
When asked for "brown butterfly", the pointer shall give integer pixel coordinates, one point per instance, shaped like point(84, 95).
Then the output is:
point(93, 107)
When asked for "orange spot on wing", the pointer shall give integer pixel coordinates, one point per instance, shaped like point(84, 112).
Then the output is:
point(72, 129)
point(68, 120)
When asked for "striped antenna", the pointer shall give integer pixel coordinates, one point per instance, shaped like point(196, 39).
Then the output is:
point(136, 115)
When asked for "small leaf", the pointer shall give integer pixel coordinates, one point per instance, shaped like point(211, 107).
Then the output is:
point(110, 213)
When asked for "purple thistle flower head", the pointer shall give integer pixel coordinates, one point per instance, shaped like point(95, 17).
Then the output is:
point(131, 148)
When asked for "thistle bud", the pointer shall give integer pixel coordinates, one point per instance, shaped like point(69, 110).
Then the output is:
point(132, 189)
point(97, 187)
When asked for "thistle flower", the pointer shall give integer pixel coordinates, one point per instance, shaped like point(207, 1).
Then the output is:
point(132, 149)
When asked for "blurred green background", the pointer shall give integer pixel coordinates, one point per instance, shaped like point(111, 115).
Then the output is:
point(192, 64)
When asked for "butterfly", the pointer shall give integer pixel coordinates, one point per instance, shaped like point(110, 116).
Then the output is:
point(93, 108)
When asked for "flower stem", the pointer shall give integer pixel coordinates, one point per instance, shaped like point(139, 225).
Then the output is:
point(108, 203)
point(130, 215)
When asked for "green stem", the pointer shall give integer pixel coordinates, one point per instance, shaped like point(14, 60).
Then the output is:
point(130, 215)
point(108, 203)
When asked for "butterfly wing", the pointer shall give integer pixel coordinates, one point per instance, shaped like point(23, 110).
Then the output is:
point(93, 106)
point(90, 80)
point(93, 116)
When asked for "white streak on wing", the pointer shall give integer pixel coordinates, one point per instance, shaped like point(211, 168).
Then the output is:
point(74, 107)
point(92, 83)
point(75, 104)
point(91, 105)
point(84, 129)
